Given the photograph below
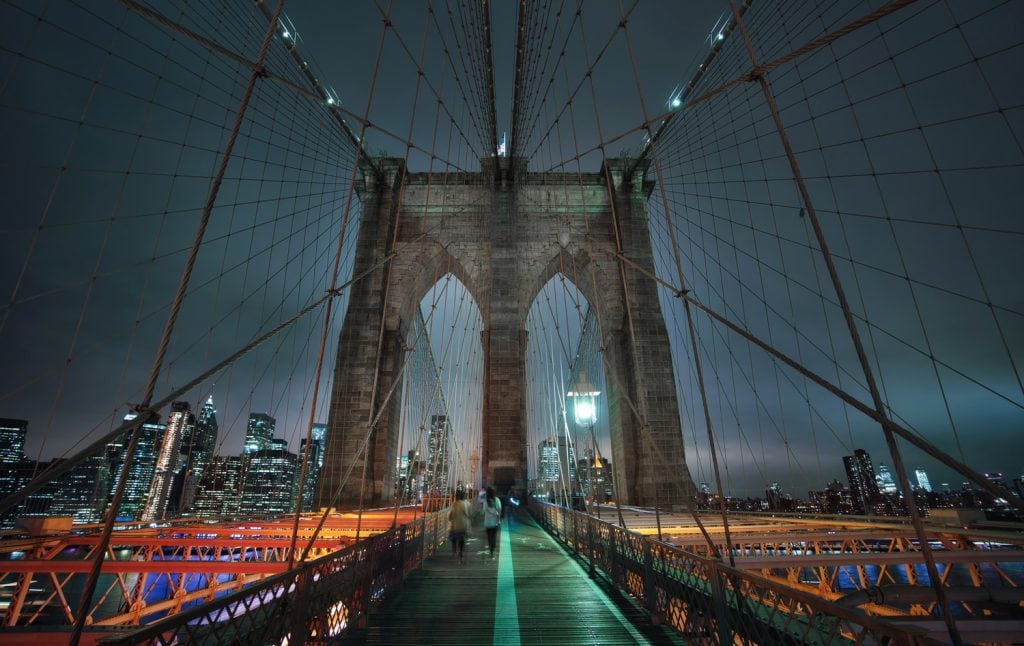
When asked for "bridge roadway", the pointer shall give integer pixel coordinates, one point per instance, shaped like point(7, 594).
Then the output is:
point(532, 592)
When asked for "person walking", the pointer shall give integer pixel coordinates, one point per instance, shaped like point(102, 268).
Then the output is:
point(458, 524)
point(492, 518)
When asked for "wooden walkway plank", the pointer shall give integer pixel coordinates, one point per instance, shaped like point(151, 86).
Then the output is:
point(552, 601)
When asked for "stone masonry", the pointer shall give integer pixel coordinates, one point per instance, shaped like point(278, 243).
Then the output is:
point(504, 240)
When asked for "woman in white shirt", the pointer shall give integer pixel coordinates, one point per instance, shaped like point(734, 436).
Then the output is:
point(492, 518)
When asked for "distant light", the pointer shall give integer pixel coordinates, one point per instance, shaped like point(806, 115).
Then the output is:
point(721, 37)
point(330, 100)
point(676, 102)
point(286, 34)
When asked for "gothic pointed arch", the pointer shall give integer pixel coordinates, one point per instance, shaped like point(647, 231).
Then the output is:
point(419, 266)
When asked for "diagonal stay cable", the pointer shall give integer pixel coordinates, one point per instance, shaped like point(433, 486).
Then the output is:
point(172, 317)
point(869, 375)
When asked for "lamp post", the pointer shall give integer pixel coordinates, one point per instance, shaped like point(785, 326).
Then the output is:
point(585, 413)
point(474, 462)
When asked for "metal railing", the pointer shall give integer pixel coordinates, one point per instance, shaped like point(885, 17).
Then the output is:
point(315, 602)
point(704, 599)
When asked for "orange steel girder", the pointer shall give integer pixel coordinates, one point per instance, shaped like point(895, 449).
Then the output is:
point(845, 555)
point(197, 562)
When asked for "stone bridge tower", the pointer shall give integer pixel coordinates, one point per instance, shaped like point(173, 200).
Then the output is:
point(504, 240)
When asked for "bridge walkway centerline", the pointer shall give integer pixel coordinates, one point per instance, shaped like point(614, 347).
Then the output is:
point(532, 592)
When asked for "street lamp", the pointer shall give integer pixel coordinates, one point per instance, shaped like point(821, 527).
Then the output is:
point(585, 411)
point(474, 463)
point(586, 414)
point(584, 407)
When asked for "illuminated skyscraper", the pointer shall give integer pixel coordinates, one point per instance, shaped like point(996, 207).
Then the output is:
point(219, 491)
point(547, 462)
point(197, 446)
point(15, 471)
point(886, 483)
point(82, 492)
point(401, 474)
point(259, 433)
point(861, 475)
point(12, 440)
point(167, 459)
point(268, 486)
point(140, 472)
point(594, 474)
point(556, 461)
point(437, 454)
point(320, 436)
point(922, 480)
point(316, 462)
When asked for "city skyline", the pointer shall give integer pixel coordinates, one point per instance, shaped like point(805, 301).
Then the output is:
point(944, 477)
point(174, 472)
point(263, 481)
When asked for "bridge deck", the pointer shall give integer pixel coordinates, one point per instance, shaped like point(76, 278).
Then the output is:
point(531, 593)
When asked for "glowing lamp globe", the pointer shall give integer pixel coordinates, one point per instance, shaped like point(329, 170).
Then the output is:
point(586, 413)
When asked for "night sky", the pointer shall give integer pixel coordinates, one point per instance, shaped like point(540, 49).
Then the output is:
point(908, 133)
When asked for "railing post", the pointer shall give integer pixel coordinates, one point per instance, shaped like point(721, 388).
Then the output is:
point(575, 533)
point(650, 589)
point(300, 608)
point(423, 540)
point(613, 555)
point(721, 610)
point(591, 548)
point(373, 545)
point(401, 556)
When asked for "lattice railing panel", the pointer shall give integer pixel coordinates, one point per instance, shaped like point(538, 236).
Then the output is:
point(703, 599)
point(319, 600)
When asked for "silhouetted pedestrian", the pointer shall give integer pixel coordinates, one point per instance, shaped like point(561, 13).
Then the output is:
point(492, 518)
point(458, 523)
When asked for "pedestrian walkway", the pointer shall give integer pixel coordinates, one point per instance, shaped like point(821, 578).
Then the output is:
point(533, 592)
